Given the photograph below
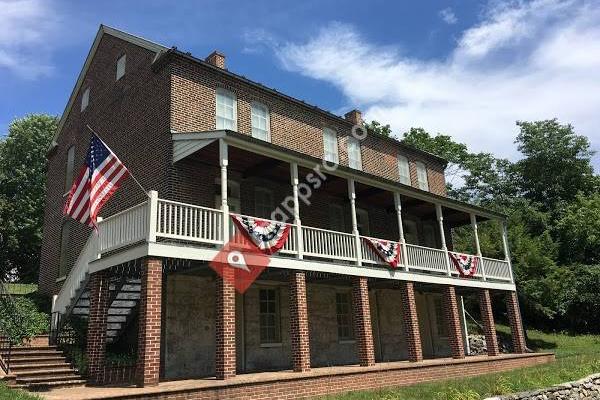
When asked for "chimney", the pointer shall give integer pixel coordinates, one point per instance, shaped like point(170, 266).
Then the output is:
point(217, 59)
point(354, 116)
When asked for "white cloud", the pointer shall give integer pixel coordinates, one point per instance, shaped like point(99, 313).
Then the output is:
point(523, 61)
point(26, 32)
point(448, 16)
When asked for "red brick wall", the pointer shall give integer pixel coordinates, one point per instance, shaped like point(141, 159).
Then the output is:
point(310, 385)
point(149, 321)
point(410, 317)
point(453, 322)
point(96, 333)
point(225, 357)
point(293, 125)
point(516, 324)
point(363, 331)
point(299, 322)
point(132, 116)
point(487, 317)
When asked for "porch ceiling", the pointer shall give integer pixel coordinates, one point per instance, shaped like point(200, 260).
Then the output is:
point(254, 157)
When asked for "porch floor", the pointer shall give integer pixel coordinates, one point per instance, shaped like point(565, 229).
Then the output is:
point(317, 382)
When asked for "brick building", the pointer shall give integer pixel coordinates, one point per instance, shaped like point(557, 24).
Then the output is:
point(208, 143)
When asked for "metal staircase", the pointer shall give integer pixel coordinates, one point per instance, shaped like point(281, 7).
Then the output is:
point(124, 298)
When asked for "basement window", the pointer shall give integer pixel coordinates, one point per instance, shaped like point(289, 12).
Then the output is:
point(121, 62)
point(343, 310)
point(270, 324)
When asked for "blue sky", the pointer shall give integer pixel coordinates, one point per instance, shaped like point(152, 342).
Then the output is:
point(466, 68)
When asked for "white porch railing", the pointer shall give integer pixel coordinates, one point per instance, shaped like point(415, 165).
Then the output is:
point(426, 258)
point(124, 228)
point(322, 243)
point(190, 223)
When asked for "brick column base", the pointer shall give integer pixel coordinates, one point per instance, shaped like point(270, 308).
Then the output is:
point(455, 337)
point(299, 323)
point(516, 324)
point(225, 358)
point(363, 331)
point(489, 327)
point(408, 306)
point(96, 333)
point(149, 330)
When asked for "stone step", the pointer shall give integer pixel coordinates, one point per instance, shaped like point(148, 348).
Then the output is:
point(48, 379)
point(18, 368)
point(29, 349)
point(47, 373)
point(20, 360)
point(27, 353)
point(35, 387)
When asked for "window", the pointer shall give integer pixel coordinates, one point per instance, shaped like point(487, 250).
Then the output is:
point(336, 218)
point(330, 146)
point(69, 168)
point(263, 202)
point(270, 329)
point(422, 176)
point(354, 158)
point(121, 66)
point(362, 221)
point(403, 170)
point(233, 195)
point(226, 110)
point(343, 310)
point(260, 122)
point(85, 99)
point(429, 233)
point(64, 247)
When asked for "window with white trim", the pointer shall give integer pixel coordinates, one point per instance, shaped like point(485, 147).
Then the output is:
point(362, 221)
point(343, 311)
point(121, 62)
point(226, 110)
point(354, 156)
point(269, 316)
point(403, 169)
point(260, 122)
point(69, 168)
point(330, 146)
point(422, 176)
point(263, 202)
point(85, 99)
point(336, 218)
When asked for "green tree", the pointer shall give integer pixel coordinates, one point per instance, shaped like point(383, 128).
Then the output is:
point(578, 230)
point(22, 194)
point(556, 163)
point(378, 129)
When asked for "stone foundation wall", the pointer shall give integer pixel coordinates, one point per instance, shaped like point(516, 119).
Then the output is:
point(584, 389)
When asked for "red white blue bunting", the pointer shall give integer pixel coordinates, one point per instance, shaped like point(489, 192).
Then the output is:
point(465, 264)
point(268, 236)
point(388, 251)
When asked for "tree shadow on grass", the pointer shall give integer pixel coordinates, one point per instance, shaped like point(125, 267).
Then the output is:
point(533, 344)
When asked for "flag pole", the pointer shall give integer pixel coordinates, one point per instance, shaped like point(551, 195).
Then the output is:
point(130, 174)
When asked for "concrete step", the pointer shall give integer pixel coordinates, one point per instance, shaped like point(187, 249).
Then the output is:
point(18, 354)
point(29, 349)
point(43, 386)
point(20, 360)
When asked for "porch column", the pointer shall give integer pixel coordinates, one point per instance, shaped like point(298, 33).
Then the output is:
point(516, 324)
point(505, 248)
point(149, 320)
point(224, 162)
point(297, 222)
point(352, 197)
point(440, 219)
point(299, 322)
point(489, 328)
point(401, 229)
point(96, 333)
point(225, 356)
point(477, 246)
point(363, 331)
point(408, 307)
point(453, 322)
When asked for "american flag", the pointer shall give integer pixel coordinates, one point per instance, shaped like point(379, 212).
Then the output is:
point(99, 178)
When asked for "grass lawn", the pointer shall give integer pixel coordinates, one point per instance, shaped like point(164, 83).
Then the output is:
point(576, 357)
point(10, 394)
